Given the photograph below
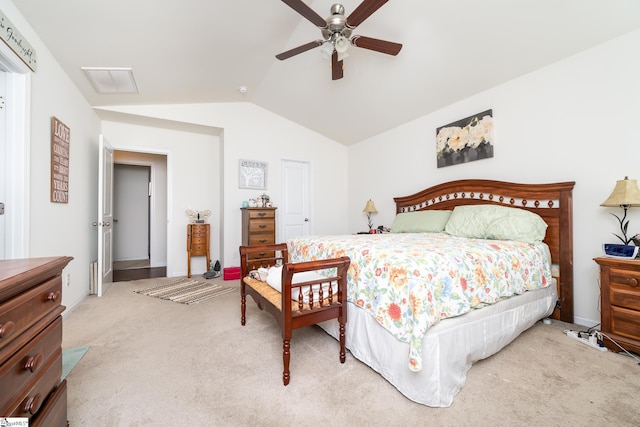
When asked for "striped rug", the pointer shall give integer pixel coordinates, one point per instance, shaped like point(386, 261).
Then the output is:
point(185, 291)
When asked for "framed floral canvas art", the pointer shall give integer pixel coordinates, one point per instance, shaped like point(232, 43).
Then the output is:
point(465, 140)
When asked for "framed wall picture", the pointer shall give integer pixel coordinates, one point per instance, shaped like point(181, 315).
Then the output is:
point(253, 175)
point(465, 140)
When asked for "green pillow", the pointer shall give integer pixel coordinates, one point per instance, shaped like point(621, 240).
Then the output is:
point(420, 222)
point(496, 222)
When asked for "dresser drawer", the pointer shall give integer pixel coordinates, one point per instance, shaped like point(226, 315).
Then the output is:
point(22, 311)
point(54, 411)
point(261, 239)
point(29, 402)
point(198, 241)
point(624, 296)
point(271, 213)
point(199, 229)
point(26, 364)
point(262, 226)
point(625, 322)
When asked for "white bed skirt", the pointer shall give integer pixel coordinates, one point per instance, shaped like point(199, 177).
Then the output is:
point(450, 347)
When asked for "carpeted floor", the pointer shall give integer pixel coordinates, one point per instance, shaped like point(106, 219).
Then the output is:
point(153, 363)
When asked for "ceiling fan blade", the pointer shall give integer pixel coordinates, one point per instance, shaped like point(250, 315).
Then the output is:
point(299, 49)
point(363, 11)
point(381, 46)
point(304, 10)
point(337, 72)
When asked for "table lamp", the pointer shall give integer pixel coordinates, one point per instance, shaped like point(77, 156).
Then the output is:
point(370, 208)
point(625, 194)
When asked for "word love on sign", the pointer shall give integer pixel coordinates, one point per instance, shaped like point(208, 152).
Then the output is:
point(60, 139)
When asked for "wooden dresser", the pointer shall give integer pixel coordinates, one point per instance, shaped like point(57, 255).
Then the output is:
point(31, 341)
point(620, 296)
point(259, 228)
point(198, 243)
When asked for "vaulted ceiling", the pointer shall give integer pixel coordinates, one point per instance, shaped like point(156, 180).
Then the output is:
point(202, 51)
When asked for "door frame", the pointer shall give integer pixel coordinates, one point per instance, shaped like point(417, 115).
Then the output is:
point(18, 119)
point(152, 218)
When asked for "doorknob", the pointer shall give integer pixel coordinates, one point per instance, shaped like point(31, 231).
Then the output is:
point(306, 220)
point(106, 224)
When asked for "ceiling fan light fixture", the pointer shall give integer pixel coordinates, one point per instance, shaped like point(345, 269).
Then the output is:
point(341, 44)
point(327, 50)
point(342, 55)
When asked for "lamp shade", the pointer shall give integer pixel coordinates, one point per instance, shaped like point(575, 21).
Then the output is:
point(625, 193)
point(370, 207)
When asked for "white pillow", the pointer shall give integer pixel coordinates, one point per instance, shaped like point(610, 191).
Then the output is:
point(274, 279)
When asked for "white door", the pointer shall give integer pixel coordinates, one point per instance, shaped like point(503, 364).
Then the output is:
point(105, 216)
point(295, 211)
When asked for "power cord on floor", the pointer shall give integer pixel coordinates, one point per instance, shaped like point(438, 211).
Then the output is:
point(600, 336)
point(628, 353)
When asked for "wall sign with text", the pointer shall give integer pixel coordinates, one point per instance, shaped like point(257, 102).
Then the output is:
point(60, 139)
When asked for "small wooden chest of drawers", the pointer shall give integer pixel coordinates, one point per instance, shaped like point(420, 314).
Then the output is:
point(258, 227)
point(31, 339)
point(620, 297)
point(198, 243)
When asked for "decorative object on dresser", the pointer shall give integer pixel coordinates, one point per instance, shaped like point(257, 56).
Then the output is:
point(31, 340)
point(620, 303)
point(198, 217)
point(625, 194)
point(370, 208)
point(198, 242)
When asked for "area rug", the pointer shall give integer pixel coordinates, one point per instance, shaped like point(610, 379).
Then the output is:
point(70, 358)
point(186, 291)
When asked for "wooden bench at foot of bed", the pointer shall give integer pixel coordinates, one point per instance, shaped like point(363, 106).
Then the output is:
point(302, 303)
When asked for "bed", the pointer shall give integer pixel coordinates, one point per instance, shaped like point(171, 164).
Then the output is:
point(427, 358)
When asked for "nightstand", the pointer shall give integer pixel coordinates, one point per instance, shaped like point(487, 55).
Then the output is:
point(620, 297)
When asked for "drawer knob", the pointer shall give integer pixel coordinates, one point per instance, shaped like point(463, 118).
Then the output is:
point(53, 296)
point(33, 362)
point(262, 226)
point(33, 404)
point(7, 329)
point(262, 213)
point(632, 281)
point(263, 240)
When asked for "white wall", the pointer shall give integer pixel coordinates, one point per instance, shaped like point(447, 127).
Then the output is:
point(60, 229)
point(572, 121)
point(253, 133)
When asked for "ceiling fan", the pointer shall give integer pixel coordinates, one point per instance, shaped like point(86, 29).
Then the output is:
point(336, 33)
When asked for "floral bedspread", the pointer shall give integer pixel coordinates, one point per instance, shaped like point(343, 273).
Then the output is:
point(409, 281)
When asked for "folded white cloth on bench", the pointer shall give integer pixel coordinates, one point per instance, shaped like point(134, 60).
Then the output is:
point(274, 279)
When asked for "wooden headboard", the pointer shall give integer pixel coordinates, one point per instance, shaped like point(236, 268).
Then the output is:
point(553, 202)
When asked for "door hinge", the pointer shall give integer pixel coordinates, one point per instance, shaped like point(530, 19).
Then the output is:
point(1, 208)
point(1, 102)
